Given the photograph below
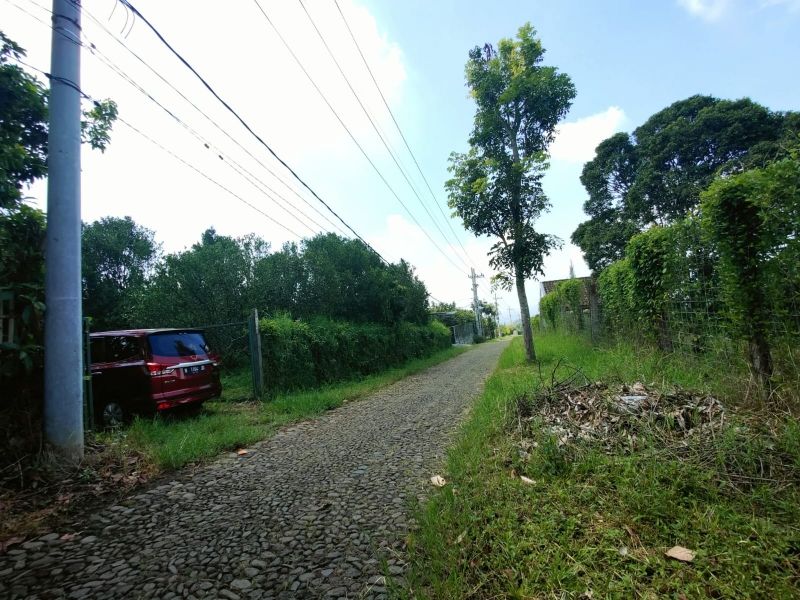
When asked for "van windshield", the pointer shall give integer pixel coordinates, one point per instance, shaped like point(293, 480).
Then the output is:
point(178, 344)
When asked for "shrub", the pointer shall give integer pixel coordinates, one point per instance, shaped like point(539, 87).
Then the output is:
point(615, 288)
point(651, 255)
point(562, 306)
point(754, 220)
point(302, 354)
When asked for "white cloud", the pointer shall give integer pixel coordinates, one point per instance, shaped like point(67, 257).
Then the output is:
point(708, 10)
point(790, 5)
point(576, 141)
point(714, 10)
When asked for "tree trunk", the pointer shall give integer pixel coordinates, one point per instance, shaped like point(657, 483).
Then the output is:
point(525, 317)
point(760, 356)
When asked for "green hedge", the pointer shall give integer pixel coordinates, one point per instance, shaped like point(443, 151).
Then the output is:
point(615, 288)
point(725, 276)
point(301, 354)
point(562, 306)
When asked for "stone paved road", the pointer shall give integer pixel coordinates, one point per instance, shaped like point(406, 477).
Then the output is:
point(311, 513)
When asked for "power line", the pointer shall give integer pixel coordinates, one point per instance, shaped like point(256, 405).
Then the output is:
point(399, 129)
point(83, 94)
point(214, 181)
point(214, 123)
point(237, 168)
point(386, 145)
point(243, 172)
point(350, 133)
point(230, 109)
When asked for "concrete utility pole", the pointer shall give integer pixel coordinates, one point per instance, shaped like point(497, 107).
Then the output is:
point(475, 303)
point(63, 353)
point(497, 315)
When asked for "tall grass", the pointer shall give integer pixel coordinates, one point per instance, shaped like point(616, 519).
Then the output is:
point(597, 525)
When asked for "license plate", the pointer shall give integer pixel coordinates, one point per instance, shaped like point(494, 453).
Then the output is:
point(194, 370)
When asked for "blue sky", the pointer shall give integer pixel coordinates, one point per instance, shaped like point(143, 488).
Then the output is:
point(628, 59)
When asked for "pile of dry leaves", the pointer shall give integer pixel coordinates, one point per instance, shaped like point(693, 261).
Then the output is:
point(619, 418)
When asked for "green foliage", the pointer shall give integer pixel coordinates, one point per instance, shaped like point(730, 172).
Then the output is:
point(343, 279)
point(22, 234)
point(208, 283)
point(97, 124)
point(655, 176)
point(563, 305)
point(23, 159)
point(615, 288)
point(754, 220)
point(118, 256)
point(221, 279)
point(652, 262)
point(302, 354)
point(496, 186)
point(23, 125)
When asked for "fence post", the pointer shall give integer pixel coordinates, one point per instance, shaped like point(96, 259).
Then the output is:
point(88, 396)
point(256, 364)
point(594, 312)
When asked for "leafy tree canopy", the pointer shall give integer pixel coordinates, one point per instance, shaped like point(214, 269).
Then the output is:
point(118, 256)
point(655, 176)
point(23, 125)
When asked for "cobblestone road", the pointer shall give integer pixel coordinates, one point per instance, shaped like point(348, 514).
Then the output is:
point(317, 511)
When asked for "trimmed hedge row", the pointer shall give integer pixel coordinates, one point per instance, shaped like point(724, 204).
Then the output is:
point(302, 354)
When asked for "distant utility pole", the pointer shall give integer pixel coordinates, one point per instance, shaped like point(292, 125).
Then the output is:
point(475, 304)
point(509, 316)
point(63, 342)
point(497, 315)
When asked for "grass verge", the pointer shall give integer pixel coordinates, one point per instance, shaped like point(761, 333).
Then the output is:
point(227, 425)
point(594, 524)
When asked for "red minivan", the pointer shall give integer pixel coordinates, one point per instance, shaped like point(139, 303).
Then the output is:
point(144, 371)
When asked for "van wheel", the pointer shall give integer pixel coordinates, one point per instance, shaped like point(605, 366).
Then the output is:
point(113, 415)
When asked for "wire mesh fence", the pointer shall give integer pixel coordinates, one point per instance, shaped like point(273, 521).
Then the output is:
point(693, 322)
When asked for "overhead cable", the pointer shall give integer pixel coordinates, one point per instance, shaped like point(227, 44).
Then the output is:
point(399, 129)
point(250, 130)
point(386, 144)
point(216, 125)
point(352, 137)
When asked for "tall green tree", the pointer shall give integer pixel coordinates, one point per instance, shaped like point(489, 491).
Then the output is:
point(656, 175)
point(496, 186)
point(208, 283)
point(118, 256)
